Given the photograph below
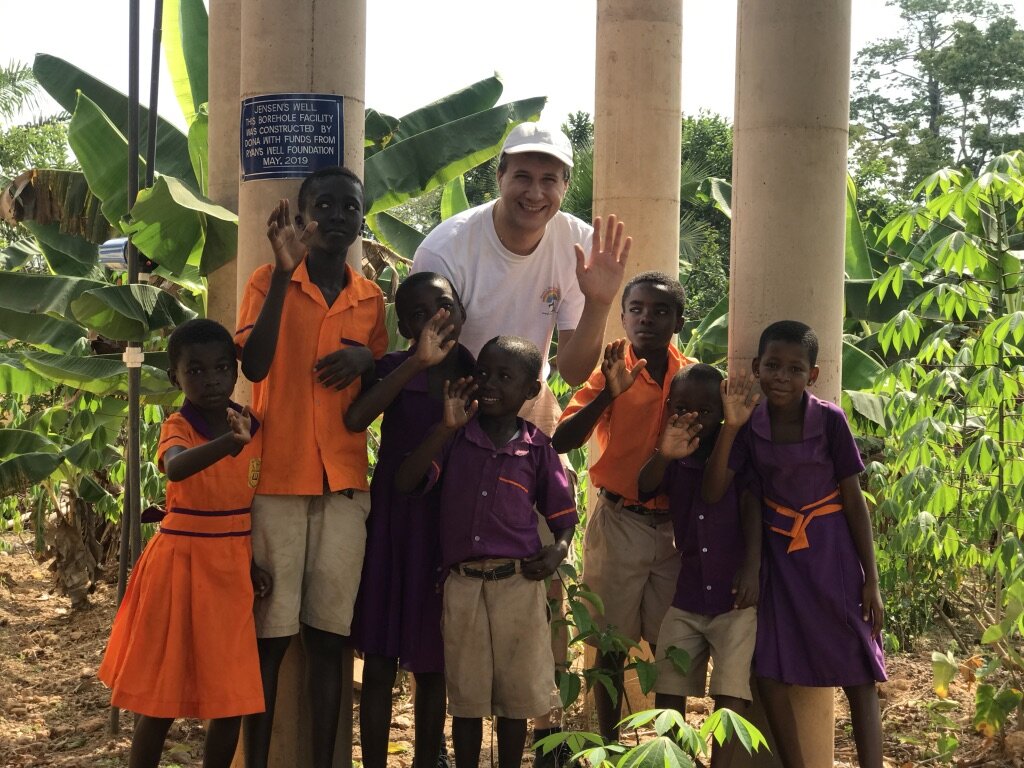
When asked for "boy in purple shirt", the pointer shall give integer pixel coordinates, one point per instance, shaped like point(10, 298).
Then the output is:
point(493, 471)
point(712, 612)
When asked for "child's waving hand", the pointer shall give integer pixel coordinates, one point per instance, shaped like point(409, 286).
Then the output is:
point(434, 343)
point(289, 245)
point(739, 398)
point(679, 438)
point(458, 408)
point(618, 377)
point(240, 424)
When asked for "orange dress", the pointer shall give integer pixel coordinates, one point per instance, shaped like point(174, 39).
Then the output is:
point(184, 641)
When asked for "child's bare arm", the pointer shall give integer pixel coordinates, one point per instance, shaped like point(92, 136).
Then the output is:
point(678, 440)
point(458, 410)
point(572, 432)
point(289, 247)
point(738, 401)
point(431, 348)
point(859, 520)
point(180, 463)
point(547, 559)
point(747, 585)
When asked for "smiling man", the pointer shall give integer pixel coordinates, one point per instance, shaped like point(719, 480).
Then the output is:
point(520, 263)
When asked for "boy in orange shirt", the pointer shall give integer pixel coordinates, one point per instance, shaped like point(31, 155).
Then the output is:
point(629, 558)
point(309, 329)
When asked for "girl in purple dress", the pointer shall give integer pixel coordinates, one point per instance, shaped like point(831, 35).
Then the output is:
point(398, 609)
point(820, 609)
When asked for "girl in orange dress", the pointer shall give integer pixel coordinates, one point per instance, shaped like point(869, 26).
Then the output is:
point(184, 642)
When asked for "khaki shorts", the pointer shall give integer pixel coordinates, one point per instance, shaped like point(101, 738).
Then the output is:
point(313, 547)
point(727, 638)
point(497, 646)
point(632, 566)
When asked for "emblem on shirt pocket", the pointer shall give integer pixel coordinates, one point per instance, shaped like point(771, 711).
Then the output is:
point(254, 472)
point(551, 298)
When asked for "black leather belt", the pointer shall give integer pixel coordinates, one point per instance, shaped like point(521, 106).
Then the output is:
point(639, 509)
point(505, 571)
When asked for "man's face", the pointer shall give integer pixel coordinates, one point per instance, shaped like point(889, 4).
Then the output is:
point(531, 187)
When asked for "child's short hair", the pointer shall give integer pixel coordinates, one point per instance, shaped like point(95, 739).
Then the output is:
point(673, 286)
point(523, 350)
point(414, 281)
point(326, 173)
point(790, 332)
point(197, 331)
point(699, 373)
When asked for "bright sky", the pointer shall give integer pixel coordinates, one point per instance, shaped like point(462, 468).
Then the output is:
point(419, 51)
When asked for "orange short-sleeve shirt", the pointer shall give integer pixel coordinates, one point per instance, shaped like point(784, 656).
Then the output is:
point(627, 432)
point(304, 437)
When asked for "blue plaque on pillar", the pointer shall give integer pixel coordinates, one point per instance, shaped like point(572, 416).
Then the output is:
point(291, 135)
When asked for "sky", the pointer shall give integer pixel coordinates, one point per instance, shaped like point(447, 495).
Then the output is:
point(543, 48)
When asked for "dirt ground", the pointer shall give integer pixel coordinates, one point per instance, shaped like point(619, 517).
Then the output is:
point(54, 712)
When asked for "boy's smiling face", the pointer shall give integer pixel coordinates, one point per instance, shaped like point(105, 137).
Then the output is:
point(784, 371)
point(650, 317)
point(335, 203)
point(504, 384)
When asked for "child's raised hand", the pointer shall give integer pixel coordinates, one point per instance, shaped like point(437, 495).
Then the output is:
point(739, 399)
point(871, 602)
point(289, 245)
point(617, 376)
point(458, 407)
point(240, 424)
point(262, 582)
point(679, 438)
point(434, 343)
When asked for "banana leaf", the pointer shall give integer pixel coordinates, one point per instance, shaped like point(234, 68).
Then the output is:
point(474, 98)
point(412, 167)
point(16, 379)
point(62, 80)
point(68, 255)
point(17, 441)
point(129, 312)
point(400, 237)
point(102, 151)
point(378, 130)
point(175, 227)
point(101, 375)
point(18, 253)
point(199, 148)
point(858, 261)
point(63, 197)
point(28, 469)
point(43, 294)
point(186, 30)
point(50, 334)
point(453, 197)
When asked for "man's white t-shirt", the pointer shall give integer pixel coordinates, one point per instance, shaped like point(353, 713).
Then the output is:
point(505, 293)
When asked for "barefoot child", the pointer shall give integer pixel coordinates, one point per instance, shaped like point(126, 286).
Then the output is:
point(712, 613)
point(183, 642)
point(820, 610)
point(493, 470)
point(309, 330)
point(629, 559)
point(398, 611)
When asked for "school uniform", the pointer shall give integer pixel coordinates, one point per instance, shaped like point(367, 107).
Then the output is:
point(702, 620)
point(810, 628)
point(183, 642)
point(497, 642)
point(309, 514)
point(398, 610)
point(629, 559)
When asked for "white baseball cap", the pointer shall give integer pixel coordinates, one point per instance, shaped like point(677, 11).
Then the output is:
point(535, 137)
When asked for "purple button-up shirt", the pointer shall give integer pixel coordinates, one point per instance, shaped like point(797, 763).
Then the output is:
point(709, 539)
point(488, 494)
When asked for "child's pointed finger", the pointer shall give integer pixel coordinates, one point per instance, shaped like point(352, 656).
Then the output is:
point(307, 231)
point(471, 411)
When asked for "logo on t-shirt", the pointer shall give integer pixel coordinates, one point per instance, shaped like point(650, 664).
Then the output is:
point(550, 298)
point(254, 472)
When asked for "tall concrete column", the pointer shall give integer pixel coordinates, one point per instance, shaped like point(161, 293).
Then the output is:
point(637, 136)
point(637, 129)
point(788, 202)
point(299, 47)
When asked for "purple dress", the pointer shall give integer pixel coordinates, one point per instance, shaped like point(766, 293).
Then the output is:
point(398, 608)
point(810, 629)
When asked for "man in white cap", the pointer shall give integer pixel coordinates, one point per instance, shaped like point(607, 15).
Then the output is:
point(521, 267)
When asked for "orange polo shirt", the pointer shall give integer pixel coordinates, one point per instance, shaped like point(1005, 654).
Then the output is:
point(304, 437)
point(627, 432)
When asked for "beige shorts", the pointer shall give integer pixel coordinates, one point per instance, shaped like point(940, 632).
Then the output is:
point(497, 646)
point(313, 547)
point(632, 566)
point(727, 638)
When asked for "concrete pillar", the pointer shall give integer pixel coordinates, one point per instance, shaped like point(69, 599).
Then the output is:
point(789, 176)
point(299, 47)
point(637, 129)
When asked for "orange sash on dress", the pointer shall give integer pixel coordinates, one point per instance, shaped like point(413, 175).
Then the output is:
point(801, 519)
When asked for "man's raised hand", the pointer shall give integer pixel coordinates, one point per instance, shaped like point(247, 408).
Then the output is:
point(600, 277)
